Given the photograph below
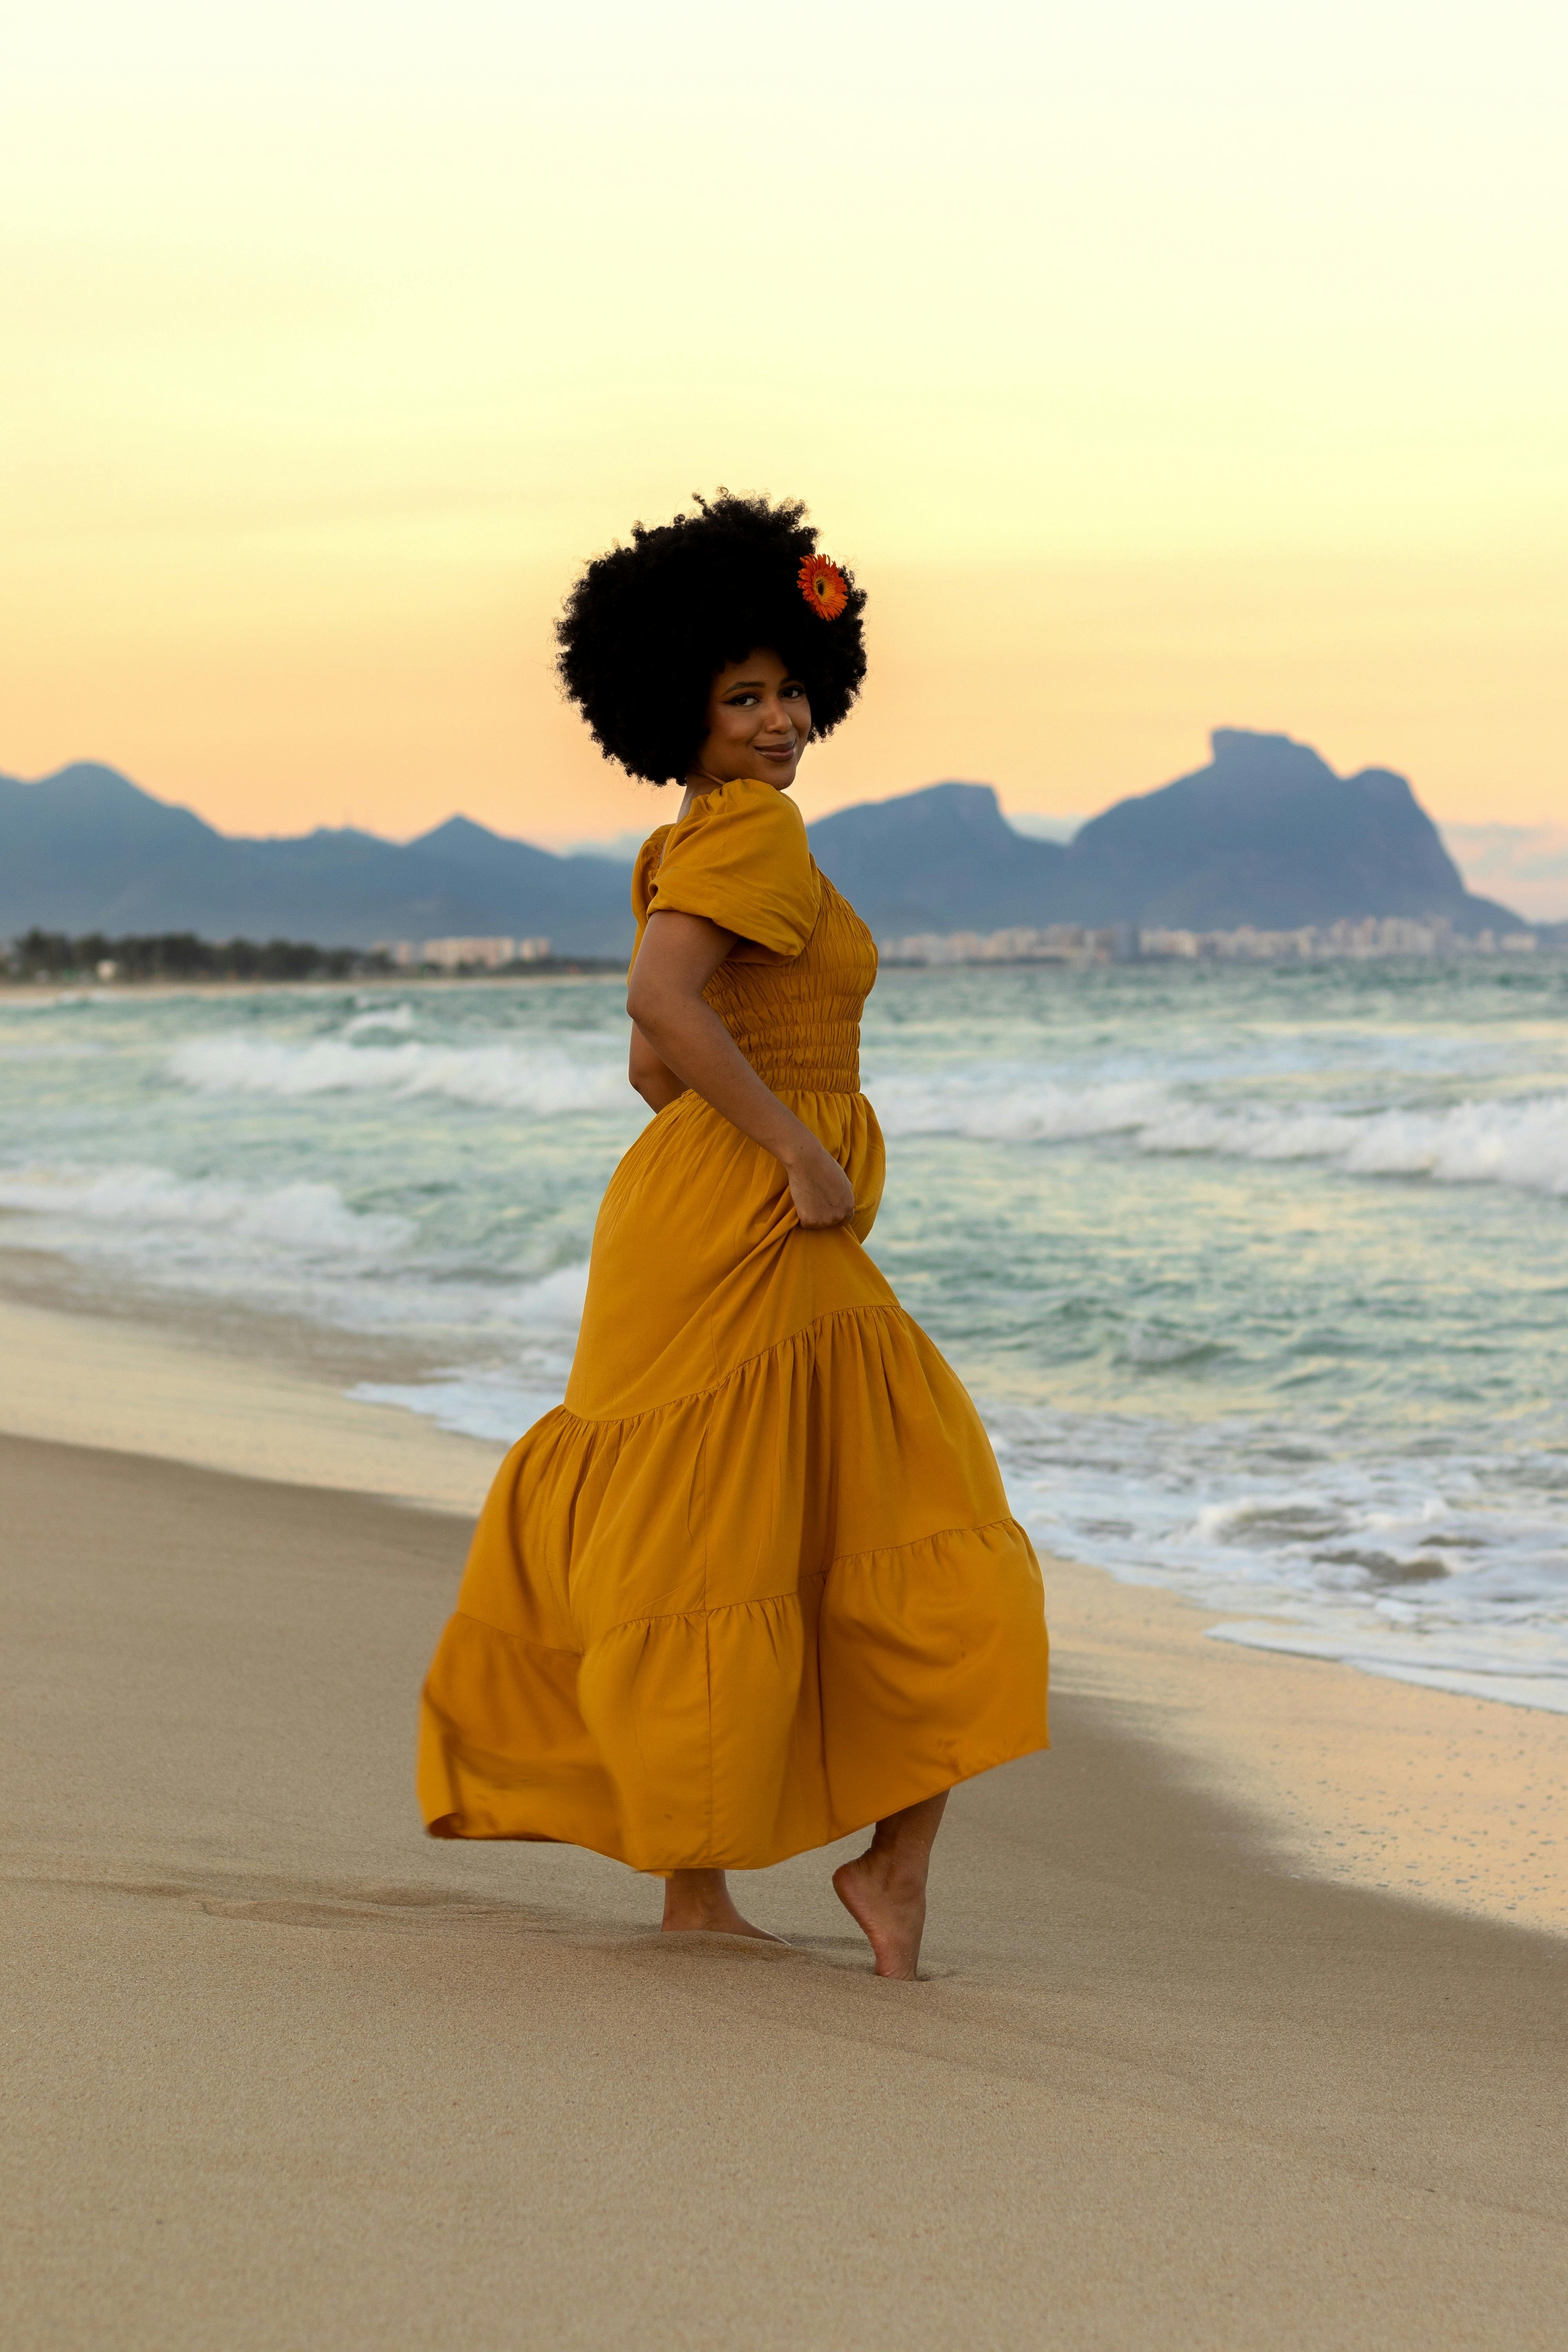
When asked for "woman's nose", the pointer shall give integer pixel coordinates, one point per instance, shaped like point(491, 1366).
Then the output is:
point(776, 719)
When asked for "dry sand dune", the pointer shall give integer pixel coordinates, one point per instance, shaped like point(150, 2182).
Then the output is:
point(282, 2073)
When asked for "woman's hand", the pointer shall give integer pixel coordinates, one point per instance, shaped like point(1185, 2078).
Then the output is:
point(822, 1194)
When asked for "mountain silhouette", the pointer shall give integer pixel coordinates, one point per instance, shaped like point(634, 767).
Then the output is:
point(85, 849)
point(944, 859)
point(1266, 833)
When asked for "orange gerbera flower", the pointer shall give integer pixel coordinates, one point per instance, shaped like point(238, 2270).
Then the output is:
point(824, 586)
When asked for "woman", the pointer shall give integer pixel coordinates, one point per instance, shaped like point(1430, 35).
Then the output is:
point(755, 1585)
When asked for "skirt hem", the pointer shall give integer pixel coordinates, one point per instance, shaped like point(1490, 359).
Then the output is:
point(920, 1790)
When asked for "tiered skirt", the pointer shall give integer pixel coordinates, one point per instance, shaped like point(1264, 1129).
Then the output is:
point(755, 1584)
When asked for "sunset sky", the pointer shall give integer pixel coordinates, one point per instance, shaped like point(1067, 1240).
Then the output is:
point(1156, 366)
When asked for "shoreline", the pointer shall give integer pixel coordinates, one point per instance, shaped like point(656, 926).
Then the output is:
point(1362, 1781)
point(247, 1396)
point(289, 2072)
point(53, 987)
point(44, 993)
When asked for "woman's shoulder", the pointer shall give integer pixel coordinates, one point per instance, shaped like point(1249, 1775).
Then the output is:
point(646, 866)
point(739, 823)
point(739, 857)
point(745, 801)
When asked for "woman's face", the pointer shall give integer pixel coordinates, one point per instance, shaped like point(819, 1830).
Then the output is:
point(759, 723)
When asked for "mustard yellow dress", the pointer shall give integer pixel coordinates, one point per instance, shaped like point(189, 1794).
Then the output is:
point(754, 1584)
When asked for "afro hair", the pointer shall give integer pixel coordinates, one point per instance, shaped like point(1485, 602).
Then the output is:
point(647, 627)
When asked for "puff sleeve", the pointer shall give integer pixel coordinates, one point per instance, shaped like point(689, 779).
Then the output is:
point(739, 857)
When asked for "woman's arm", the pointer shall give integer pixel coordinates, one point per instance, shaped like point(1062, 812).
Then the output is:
point(648, 1077)
point(679, 956)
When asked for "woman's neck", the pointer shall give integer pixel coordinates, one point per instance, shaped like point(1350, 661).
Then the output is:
point(699, 784)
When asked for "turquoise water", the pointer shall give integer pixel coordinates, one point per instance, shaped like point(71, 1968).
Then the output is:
point(1260, 1277)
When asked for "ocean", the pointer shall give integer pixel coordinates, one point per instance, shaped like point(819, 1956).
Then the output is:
point(1258, 1275)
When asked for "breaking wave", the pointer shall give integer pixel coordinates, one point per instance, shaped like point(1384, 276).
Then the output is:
point(1355, 1452)
point(306, 1219)
point(545, 1080)
point(1521, 1143)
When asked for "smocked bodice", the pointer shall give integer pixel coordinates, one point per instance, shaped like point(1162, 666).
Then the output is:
point(798, 1024)
point(792, 990)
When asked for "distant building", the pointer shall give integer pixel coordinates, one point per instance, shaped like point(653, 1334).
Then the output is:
point(1062, 943)
point(467, 955)
point(1371, 936)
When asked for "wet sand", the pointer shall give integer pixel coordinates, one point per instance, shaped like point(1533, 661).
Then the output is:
point(282, 2072)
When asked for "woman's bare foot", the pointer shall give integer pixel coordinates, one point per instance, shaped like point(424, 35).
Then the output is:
point(699, 1900)
point(888, 1906)
point(884, 1889)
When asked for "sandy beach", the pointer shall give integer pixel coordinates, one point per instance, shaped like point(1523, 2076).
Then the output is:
point(282, 2071)
point(952, 916)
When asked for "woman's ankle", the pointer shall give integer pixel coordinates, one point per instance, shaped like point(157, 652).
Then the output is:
point(693, 1899)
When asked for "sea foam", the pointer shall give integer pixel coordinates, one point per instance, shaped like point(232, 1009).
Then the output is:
point(1521, 1143)
point(546, 1080)
point(307, 1218)
point(1356, 1449)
